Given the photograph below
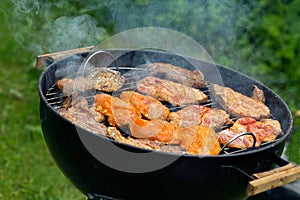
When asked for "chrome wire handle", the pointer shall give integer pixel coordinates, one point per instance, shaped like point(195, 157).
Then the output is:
point(100, 52)
point(237, 136)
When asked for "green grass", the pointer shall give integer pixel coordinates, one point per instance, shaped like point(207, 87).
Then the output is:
point(27, 170)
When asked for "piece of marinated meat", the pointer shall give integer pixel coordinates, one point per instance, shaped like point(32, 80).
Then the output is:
point(158, 130)
point(215, 119)
point(102, 79)
point(195, 139)
point(238, 104)
point(115, 134)
point(200, 140)
point(265, 130)
point(106, 80)
point(188, 116)
point(200, 115)
point(69, 86)
point(119, 112)
point(80, 114)
point(177, 74)
point(149, 107)
point(258, 94)
point(174, 93)
point(242, 142)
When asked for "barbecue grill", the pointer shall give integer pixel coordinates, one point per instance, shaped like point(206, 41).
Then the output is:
point(186, 176)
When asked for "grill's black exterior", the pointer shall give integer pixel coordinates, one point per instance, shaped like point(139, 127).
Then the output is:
point(189, 177)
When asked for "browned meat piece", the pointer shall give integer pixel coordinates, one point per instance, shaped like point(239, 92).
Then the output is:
point(258, 94)
point(238, 104)
point(200, 140)
point(103, 79)
point(99, 117)
point(69, 86)
point(80, 114)
point(119, 112)
point(113, 133)
point(107, 80)
point(195, 139)
point(157, 130)
point(149, 107)
point(265, 130)
point(215, 119)
point(177, 74)
point(174, 93)
point(200, 115)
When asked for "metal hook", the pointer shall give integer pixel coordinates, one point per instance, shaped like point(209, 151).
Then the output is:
point(237, 136)
point(99, 52)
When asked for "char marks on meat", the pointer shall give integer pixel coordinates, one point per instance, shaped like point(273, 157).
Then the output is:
point(174, 93)
point(238, 104)
point(200, 115)
point(177, 74)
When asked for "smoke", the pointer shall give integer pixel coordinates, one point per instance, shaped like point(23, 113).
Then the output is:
point(45, 26)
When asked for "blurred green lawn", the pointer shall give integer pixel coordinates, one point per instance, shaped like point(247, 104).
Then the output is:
point(27, 170)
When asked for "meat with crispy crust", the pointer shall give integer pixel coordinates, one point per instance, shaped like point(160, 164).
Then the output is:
point(169, 91)
point(102, 79)
point(238, 104)
point(177, 74)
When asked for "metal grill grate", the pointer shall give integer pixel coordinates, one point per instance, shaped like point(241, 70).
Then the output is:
point(55, 97)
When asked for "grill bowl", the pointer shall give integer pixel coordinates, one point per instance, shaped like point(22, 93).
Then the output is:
point(188, 176)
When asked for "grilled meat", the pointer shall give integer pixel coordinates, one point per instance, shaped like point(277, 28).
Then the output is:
point(102, 79)
point(149, 107)
point(69, 86)
point(158, 130)
point(199, 140)
point(258, 94)
point(238, 104)
point(195, 139)
point(188, 116)
point(242, 142)
point(119, 112)
point(177, 74)
point(106, 80)
point(113, 133)
point(200, 115)
point(174, 93)
point(80, 114)
point(265, 130)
